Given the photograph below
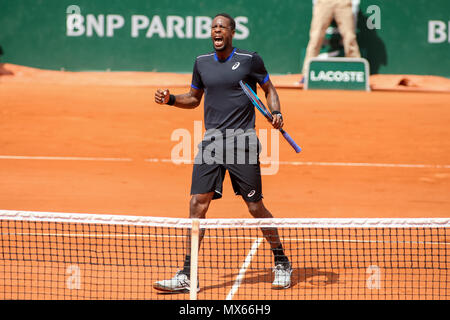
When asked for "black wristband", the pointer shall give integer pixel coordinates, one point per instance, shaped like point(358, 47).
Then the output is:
point(276, 112)
point(171, 101)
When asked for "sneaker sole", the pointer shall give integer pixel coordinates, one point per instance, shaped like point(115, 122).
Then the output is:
point(280, 287)
point(159, 287)
point(275, 287)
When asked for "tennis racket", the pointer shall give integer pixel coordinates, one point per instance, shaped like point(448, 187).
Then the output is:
point(262, 108)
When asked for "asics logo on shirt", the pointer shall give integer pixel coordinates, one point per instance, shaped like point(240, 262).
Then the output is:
point(236, 65)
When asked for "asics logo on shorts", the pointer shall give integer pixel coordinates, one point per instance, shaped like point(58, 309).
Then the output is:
point(236, 65)
point(251, 193)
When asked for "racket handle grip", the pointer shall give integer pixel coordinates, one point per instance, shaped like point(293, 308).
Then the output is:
point(291, 141)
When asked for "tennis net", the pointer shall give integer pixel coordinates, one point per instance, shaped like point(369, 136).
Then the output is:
point(89, 256)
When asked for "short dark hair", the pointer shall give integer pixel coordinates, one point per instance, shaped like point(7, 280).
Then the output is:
point(226, 15)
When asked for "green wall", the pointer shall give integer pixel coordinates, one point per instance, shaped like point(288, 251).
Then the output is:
point(34, 33)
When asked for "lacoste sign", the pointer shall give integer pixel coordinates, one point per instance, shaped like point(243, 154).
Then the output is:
point(338, 73)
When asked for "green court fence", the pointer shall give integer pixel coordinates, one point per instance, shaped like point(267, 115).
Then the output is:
point(395, 36)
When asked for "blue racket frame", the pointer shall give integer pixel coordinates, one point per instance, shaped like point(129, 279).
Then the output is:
point(262, 108)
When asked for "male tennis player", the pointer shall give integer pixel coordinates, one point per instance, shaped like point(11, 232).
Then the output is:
point(228, 110)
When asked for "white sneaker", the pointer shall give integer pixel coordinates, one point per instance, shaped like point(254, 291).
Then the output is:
point(179, 283)
point(282, 279)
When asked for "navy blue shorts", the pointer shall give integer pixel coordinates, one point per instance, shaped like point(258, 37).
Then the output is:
point(243, 167)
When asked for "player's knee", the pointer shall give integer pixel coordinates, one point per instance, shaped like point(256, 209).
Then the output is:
point(199, 204)
point(197, 201)
point(257, 210)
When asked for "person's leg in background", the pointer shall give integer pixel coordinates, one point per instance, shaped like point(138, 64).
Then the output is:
point(345, 21)
point(321, 19)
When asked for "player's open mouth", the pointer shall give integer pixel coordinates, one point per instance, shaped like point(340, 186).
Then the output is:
point(218, 41)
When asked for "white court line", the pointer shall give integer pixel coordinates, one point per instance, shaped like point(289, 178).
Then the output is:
point(291, 163)
point(62, 158)
point(243, 269)
point(364, 164)
point(323, 164)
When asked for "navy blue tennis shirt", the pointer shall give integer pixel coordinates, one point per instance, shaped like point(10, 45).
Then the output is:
point(226, 105)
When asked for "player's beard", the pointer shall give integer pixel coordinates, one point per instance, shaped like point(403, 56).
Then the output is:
point(220, 48)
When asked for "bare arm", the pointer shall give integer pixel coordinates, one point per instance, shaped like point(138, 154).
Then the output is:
point(189, 100)
point(273, 103)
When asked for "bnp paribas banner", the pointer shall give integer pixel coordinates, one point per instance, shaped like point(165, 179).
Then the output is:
point(395, 36)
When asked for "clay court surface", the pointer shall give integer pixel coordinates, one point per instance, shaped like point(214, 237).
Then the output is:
point(74, 144)
point(365, 154)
